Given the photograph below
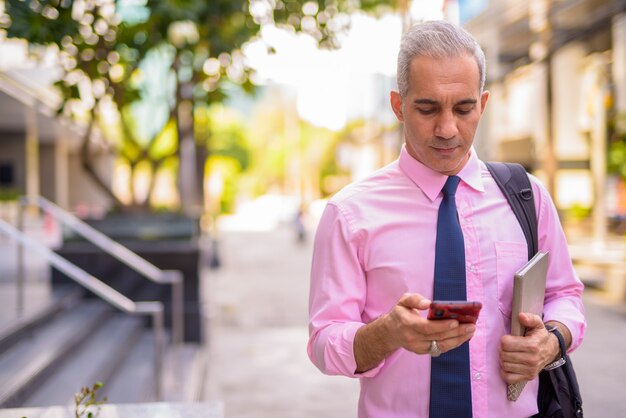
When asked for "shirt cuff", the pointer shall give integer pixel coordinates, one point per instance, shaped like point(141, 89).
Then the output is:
point(338, 351)
point(571, 318)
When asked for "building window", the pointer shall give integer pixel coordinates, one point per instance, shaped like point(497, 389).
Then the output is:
point(7, 174)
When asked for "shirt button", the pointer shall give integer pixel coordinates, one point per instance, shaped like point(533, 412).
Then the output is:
point(477, 376)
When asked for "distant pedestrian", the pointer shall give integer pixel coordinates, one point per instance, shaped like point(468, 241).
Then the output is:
point(299, 225)
point(378, 258)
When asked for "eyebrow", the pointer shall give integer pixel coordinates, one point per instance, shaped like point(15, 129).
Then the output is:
point(434, 102)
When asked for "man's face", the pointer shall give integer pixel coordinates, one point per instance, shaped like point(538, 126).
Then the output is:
point(441, 111)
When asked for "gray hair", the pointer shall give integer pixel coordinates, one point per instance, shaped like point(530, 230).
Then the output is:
point(437, 39)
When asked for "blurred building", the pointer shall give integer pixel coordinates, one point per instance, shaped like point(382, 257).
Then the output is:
point(39, 151)
point(557, 76)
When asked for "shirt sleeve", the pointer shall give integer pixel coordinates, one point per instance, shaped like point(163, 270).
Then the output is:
point(337, 296)
point(563, 300)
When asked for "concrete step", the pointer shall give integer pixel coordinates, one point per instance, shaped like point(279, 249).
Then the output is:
point(183, 368)
point(61, 299)
point(210, 409)
point(97, 360)
point(135, 380)
point(27, 364)
point(184, 371)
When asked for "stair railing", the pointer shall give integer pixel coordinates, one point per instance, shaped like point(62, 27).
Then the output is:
point(112, 296)
point(115, 249)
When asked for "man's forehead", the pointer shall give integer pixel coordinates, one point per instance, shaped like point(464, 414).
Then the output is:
point(454, 78)
point(430, 101)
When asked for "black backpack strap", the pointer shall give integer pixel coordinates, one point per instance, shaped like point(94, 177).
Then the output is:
point(515, 185)
point(559, 393)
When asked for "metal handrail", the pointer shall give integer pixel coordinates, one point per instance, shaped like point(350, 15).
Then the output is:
point(117, 250)
point(80, 276)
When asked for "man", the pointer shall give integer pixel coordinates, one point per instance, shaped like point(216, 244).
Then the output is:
point(373, 273)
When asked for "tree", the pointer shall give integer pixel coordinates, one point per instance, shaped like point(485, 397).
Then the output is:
point(616, 163)
point(107, 48)
point(292, 149)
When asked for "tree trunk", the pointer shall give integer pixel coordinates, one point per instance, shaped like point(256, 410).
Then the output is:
point(190, 157)
point(187, 170)
point(87, 163)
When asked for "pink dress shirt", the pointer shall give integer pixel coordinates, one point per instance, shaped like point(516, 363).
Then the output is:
point(376, 241)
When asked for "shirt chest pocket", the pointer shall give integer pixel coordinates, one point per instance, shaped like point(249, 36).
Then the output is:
point(510, 256)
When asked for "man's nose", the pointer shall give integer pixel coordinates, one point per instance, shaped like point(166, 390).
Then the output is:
point(446, 126)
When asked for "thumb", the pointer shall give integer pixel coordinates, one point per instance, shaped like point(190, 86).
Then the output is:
point(530, 321)
point(414, 301)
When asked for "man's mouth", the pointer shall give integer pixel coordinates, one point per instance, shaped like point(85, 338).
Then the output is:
point(447, 150)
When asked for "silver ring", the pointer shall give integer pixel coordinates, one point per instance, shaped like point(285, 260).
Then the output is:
point(434, 350)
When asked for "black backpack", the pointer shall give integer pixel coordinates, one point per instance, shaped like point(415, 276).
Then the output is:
point(559, 394)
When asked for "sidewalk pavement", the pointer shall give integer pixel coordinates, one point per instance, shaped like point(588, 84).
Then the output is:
point(257, 304)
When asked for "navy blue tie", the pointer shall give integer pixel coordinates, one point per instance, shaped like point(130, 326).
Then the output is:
point(450, 389)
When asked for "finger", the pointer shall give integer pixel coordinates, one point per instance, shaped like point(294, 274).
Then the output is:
point(526, 359)
point(450, 331)
point(511, 344)
point(517, 370)
point(530, 321)
point(528, 363)
point(405, 320)
point(451, 343)
point(514, 368)
point(414, 301)
point(518, 363)
point(511, 378)
point(528, 350)
point(445, 341)
point(426, 344)
point(436, 329)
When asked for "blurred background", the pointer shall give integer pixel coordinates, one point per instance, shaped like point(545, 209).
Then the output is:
point(204, 107)
point(206, 136)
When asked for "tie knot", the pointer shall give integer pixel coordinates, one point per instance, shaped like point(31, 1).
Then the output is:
point(451, 185)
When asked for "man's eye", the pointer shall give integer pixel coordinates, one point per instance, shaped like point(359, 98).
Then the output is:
point(426, 111)
point(464, 110)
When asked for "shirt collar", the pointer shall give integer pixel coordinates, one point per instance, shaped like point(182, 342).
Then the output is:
point(431, 182)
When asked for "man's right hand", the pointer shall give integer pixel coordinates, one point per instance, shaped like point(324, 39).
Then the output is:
point(404, 327)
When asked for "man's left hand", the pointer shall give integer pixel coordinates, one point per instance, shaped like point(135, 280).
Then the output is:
point(522, 358)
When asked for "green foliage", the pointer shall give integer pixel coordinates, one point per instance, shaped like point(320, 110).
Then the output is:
point(324, 19)
point(165, 142)
point(228, 171)
point(226, 139)
point(85, 401)
point(616, 160)
point(227, 136)
point(41, 22)
point(578, 212)
point(288, 155)
point(617, 157)
point(105, 48)
point(329, 167)
point(9, 194)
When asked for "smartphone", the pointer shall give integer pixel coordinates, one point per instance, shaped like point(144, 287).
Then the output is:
point(461, 310)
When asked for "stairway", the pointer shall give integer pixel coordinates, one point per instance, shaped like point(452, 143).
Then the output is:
point(74, 341)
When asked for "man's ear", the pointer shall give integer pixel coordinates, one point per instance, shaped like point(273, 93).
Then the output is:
point(396, 105)
point(483, 100)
